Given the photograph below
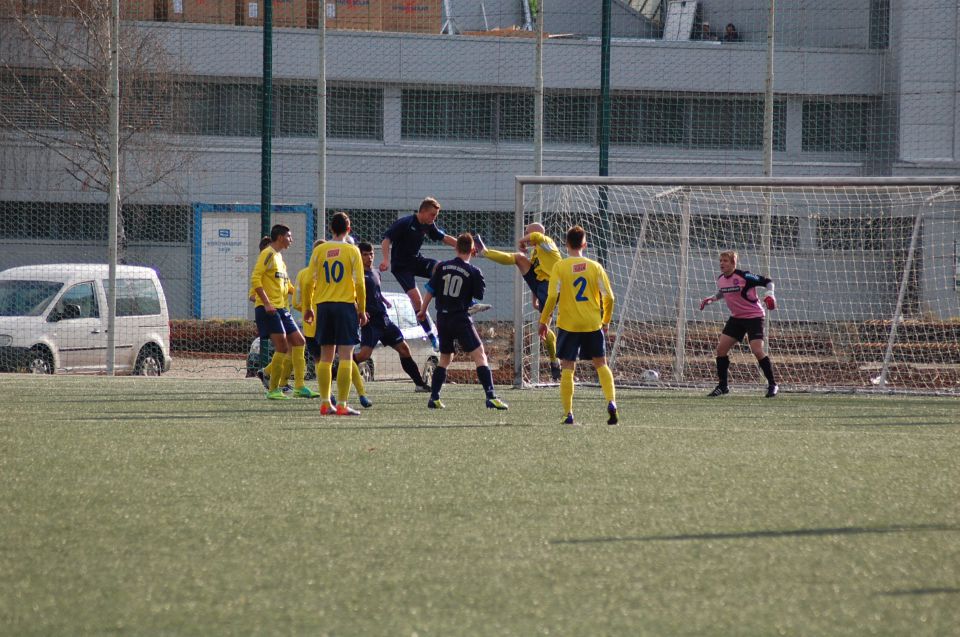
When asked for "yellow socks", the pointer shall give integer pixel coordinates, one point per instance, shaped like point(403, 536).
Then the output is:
point(606, 383)
point(357, 380)
point(286, 367)
point(276, 367)
point(324, 380)
point(566, 390)
point(550, 342)
point(344, 378)
point(503, 258)
point(299, 366)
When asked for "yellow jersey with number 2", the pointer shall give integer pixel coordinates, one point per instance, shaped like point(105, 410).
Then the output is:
point(582, 290)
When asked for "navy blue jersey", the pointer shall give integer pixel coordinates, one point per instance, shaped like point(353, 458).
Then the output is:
point(455, 284)
point(406, 236)
point(376, 308)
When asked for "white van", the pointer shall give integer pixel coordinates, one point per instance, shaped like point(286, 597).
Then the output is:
point(53, 318)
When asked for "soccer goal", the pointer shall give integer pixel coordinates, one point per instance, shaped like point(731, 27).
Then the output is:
point(867, 275)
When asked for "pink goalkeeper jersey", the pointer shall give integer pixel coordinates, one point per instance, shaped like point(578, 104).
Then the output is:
point(740, 293)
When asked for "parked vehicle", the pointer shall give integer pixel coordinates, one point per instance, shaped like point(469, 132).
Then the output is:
point(53, 318)
point(383, 364)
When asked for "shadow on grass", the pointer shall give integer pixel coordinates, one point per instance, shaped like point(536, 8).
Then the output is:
point(346, 421)
point(749, 535)
point(920, 591)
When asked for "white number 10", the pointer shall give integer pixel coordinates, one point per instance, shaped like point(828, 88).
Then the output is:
point(452, 285)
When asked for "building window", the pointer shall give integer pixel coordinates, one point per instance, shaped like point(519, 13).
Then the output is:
point(637, 120)
point(838, 126)
point(734, 123)
point(447, 115)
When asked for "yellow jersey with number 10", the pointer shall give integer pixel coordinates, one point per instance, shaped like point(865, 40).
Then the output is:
point(337, 275)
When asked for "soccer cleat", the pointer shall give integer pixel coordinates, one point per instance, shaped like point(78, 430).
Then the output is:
point(772, 391)
point(476, 308)
point(434, 343)
point(612, 410)
point(435, 404)
point(422, 389)
point(555, 371)
point(479, 245)
point(496, 403)
point(333, 400)
point(264, 379)
point(719, 390)
point(365, 402)
point(277, 394)
point(306, 392)
point(326, 409)
point(286, 389)
point(344, 410)
point(568, 420)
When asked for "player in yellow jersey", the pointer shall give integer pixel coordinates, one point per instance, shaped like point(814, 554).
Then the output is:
point(535, 270)
point(271, 286)
point(337, 302)
point(582, 289)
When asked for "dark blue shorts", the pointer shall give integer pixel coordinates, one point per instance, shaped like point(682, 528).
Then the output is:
point(337, 324)
point(388, 334)
point(459, 328)
point(280, 322)
point(406, 272)
point(539, 288)
point(588, 345)
point(738, 327)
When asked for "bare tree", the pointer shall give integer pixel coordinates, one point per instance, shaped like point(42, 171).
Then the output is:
point(54, 72)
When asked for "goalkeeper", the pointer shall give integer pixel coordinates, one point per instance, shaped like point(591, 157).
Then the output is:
point(535, 270)
point(738, 288)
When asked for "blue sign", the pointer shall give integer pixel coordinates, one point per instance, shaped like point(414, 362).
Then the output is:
point(223, 233)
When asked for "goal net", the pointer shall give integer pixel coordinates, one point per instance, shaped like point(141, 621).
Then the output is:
point(867, 276)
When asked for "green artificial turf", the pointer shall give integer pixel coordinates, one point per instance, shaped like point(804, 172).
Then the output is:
point(171, 507)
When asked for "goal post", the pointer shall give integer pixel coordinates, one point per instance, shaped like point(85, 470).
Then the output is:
point(867, 274)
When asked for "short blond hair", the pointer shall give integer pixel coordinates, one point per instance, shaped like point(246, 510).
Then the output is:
point(429, 202)
point(730, 254)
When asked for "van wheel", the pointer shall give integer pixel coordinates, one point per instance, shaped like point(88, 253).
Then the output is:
point(40, 361)
point(366, 370)
point(428, 368)
point(149, 361)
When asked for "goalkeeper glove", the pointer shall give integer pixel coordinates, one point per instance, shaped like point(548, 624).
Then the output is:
point(770, 302)
point(707, 301)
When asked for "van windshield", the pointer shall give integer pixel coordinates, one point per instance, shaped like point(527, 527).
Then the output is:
point(26, 298)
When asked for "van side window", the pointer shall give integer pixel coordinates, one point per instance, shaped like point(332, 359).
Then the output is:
point(136, 297)
point(406, 317)
point(81, 295)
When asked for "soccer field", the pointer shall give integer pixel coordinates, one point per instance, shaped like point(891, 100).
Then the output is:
point(167, 506)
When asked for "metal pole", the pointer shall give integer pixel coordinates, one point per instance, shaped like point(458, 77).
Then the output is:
point(113, 209)
point(266, 120)
point(266, 138)
point(518, 293)
point(320, 220)
point(898, 310)
point(537, 169)
point(681, 324)
point(768, 96)
point(604, 168)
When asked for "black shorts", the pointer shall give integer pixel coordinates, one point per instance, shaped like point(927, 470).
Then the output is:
point(736, 328)
point(337, 324)
point(388, 334)
point(406, 272)
point(539, 288)
point(582, 345)
point(459, 328)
